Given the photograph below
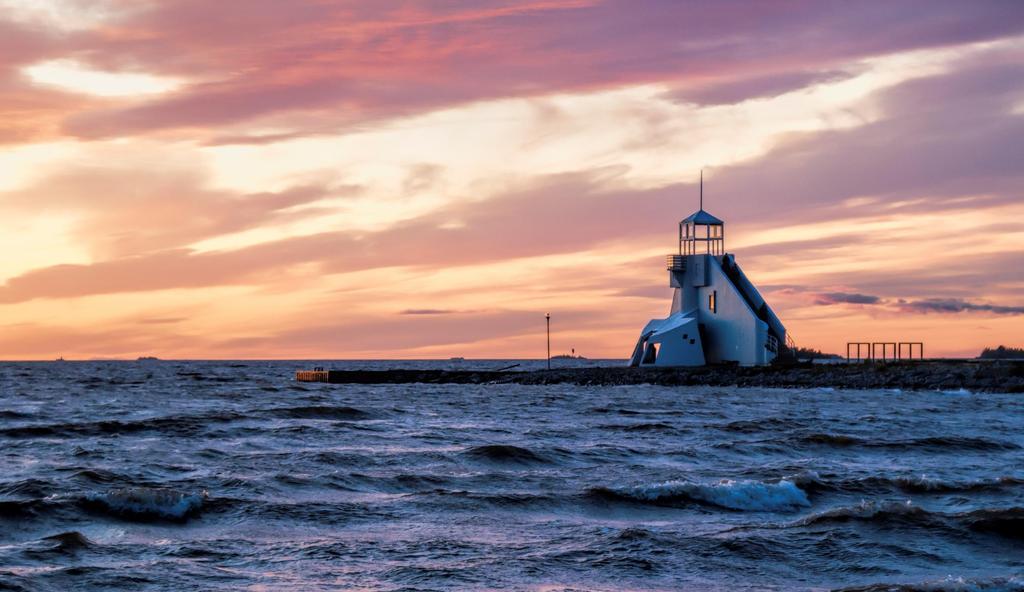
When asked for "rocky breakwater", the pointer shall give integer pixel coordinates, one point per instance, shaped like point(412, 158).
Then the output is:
point(939, 375)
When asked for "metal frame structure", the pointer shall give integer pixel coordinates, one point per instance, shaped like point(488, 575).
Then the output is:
point(885, 350)
point(910, 350)
point(871, 348)
point(849, 346)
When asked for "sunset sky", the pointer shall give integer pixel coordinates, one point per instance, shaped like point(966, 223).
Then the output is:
point(354, 179)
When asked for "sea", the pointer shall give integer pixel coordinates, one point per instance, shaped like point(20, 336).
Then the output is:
point(219, 475)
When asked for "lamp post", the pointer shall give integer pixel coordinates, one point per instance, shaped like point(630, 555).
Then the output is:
point(547, 318)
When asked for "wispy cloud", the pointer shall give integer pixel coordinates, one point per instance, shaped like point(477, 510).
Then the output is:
point(955, 305)
point(360, 61)
point(827, 298)
point(923, 306)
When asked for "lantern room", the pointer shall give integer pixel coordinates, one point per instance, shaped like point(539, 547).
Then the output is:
point(701, 233)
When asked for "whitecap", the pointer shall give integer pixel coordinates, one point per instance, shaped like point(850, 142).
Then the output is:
point(146, 501)
point(957, 584)
point(805, 478)
point(752, 496)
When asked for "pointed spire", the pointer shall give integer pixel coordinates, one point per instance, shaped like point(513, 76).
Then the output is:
point(701, 189)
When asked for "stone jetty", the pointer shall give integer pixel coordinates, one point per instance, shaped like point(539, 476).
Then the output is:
point(938, 375)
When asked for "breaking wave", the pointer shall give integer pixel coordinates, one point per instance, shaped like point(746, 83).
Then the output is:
point(147, 503)
point(948, 584)
point(748, 496)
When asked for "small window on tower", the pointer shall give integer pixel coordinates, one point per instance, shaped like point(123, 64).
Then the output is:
point(713, 301)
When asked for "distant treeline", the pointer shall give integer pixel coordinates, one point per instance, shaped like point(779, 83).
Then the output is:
point(806, 353)
point(1001, 353)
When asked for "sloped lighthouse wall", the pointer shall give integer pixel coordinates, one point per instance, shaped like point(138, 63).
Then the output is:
point(733, 333)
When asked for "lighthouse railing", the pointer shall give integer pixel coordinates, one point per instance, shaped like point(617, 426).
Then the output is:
point(675, 262)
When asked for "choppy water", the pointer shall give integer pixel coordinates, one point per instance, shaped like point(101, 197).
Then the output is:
point(226, 476)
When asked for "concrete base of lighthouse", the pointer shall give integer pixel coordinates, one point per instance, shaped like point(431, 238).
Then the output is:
point(673, 341)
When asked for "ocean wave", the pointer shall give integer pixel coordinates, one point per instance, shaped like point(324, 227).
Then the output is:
point(505, 454)
point(20, 509)
point(101, 476)
point(473, 499)
point(410, 482)
point(291, 512)
point(68, 542)
point(925, 484)
point(12, 414)
point(319, 412)
point(177, 425)
point(812, 482)
point(934, 442)
point(147, 503)
point(657, 426)
point(749, 426)
point(948, 584)
point(888, 512)
point(627, 411)
point(1004, 522)
point(26, 488)
point(831, 440)
point(55, 547)
point(749, 496)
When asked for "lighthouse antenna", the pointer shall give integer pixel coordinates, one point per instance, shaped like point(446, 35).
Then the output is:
point(702, 189)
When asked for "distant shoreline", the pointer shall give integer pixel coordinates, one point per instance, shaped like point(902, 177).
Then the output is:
point(938, 375)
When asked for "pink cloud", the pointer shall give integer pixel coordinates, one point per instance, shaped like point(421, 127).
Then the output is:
point(356, 61)
point(28, 112)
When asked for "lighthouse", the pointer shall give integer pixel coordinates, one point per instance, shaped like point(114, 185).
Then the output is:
point(717, 315)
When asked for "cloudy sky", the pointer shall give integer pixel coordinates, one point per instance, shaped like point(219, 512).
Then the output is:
point(320, 178)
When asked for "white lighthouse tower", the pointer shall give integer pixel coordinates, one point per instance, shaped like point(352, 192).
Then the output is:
point(717, 314)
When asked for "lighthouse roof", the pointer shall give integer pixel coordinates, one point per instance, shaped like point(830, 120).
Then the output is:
point(702, 217)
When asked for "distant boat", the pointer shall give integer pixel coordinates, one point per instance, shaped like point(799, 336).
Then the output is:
point(60, 359)
point(148, 359)
point(567, 357)
point(458, 359)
